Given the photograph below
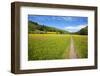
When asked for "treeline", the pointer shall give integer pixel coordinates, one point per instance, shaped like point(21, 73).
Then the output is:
point(35, 28)
point(83, 31)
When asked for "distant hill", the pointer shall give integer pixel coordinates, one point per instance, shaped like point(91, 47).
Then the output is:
point(34, 27)
point(83, 31)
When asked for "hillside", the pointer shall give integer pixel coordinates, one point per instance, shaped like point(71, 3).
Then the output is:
point(34, 27)
point(83, 31)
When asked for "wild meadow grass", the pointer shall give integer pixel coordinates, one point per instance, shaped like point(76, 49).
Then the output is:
point(48, 46)
point(81, 45)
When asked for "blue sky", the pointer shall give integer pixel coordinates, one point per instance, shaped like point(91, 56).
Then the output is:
point(69, 23)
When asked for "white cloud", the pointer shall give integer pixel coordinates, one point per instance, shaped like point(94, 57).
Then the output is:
point(74, 28)
point(67, 18)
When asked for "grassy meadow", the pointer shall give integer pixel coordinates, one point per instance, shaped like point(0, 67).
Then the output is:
point(55, 46)
point(57, 37)
point(48, 46)
point(81, 45)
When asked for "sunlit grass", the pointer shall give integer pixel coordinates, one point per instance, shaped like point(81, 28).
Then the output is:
point(48, 46)
point(81, 45)
point(55, 46)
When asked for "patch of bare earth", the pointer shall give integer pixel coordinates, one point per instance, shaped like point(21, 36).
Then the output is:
point(72, 53)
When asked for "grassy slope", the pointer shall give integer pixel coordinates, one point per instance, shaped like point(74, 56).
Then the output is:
point(34, 26)
point(81, 45)
point(48, 46)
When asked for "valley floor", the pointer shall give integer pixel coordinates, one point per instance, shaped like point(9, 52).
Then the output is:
point(57, 46)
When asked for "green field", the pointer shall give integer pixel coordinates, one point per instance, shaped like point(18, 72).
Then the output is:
point(81, 45)
point(48, 46)
point(57, 37)
point(55, 46)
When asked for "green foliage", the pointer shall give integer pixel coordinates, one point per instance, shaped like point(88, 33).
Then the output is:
point(33, 27)
point(83, 31)
point(81, 45)
point(48, 46)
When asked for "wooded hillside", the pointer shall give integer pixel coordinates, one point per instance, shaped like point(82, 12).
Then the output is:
point(34, 27)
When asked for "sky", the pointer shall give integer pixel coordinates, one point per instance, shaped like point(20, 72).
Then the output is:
point(68, 23)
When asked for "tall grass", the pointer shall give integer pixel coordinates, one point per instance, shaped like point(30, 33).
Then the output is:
point(81, 45)
point(48, 46)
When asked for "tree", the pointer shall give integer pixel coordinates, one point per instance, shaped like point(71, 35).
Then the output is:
point(83, 31)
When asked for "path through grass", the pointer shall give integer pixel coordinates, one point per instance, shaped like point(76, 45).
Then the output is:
point(81, 45)
point(56, 46)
